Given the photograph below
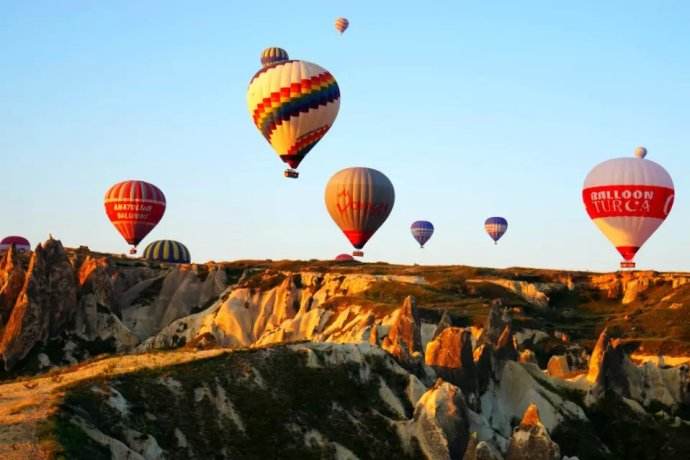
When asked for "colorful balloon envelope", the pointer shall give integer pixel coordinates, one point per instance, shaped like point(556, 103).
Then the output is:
point(273, 55)
point(341, 24)
point(359, 200)
point(134, 207)
point(496, 227)
point(293, 104)
point(20, 243)
point(167, 251)
point(344, 258)
point(422, 231)
point(628, 199)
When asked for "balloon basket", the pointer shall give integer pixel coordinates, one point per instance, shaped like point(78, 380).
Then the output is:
point(358, 253)
point(626, 264)
point(133, 251)
point(291, 173)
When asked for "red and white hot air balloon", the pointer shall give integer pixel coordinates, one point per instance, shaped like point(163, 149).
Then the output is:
point(134, 207)
point(628, 198)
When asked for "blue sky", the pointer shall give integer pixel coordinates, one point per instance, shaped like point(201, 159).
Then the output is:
point(471, 109)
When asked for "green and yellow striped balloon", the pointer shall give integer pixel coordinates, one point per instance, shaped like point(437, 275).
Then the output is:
point(167, 251)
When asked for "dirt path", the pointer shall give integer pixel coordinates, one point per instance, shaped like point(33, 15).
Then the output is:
point(24, 404)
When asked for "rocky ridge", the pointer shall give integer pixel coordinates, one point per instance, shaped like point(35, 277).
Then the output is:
point(470, 378)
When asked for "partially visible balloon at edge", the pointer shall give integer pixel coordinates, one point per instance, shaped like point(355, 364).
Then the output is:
point(344, 258)
point(20, 243)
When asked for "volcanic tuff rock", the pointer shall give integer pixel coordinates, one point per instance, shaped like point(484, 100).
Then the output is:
point(413, 312)
point(440, 422)
point(480, 450)
point(50, 281)
point(450, 355)
point(531, 441)
point(404, 339)
point(59, 307)
point(650, 385)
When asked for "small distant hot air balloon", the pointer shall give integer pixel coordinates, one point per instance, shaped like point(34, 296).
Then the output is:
point(422, 231)
point(293, 104)
point(134, 207)
point(495, 227)
point(343, 258)
point(273, 55)
point(628, 199)
point(167, 251)
point(359, 200)
point(341, 25)
point(20, 243)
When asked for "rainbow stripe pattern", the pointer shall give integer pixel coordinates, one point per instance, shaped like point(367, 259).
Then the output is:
point(293, 104)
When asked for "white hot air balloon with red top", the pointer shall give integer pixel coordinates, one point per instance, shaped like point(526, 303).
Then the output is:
point(628, 198)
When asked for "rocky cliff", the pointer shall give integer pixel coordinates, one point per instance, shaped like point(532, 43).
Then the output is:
point(342, 360)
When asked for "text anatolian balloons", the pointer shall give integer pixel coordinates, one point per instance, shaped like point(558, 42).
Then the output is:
point(293, 104)
point(134, 207)
point(628, 198)
point(422, 231)
point(359, 200)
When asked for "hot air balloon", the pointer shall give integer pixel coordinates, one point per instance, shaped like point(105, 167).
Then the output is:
point(167, 251)
point(628, 198)
point(273, 55)
point(134, 207)
point(20, 243)
point(344, 258)
point(495, 227)
point(341, 25)
point(293, 104)
point(359, 200)
point(422, 231)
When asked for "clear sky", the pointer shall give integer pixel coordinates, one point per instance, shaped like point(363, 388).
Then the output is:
point(471, 108)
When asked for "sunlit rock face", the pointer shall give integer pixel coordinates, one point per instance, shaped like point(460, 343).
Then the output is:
point(450, 362)
point(45, 304)
point(531, 440)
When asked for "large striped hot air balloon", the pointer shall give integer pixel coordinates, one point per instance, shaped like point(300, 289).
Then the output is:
point(422, 231)
point(167, 251)
point(134, 207)
point(495, 227)
point(293, 104)
point(341, 24)
point(359, 200)
point(628, 198)
point(20, 243)
point(273, 55)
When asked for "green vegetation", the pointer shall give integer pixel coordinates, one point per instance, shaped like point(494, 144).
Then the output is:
point(275, 395)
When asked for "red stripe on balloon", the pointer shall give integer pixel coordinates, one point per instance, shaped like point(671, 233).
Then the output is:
point(628, 201)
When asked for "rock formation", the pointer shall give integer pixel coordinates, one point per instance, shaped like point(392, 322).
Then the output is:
point(450, 355)
point(531, 441)
point(47, 301)
point(404, 338)
point(440, 422)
